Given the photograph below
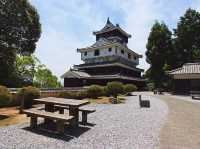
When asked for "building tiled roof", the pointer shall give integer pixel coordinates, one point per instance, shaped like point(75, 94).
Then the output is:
point(110, 63)
point(109, 27)
point(75, 74)
point(116, 76)
point(101, 42)
point(105, 42)
point(188, 68)
point(79, 74)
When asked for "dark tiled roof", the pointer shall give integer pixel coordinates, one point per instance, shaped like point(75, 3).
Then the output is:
point(79, 74)
point(188, 68)
point(110, 63)
point(109, 27)
point(75, 74)
point(101, 42)
point(116, 76)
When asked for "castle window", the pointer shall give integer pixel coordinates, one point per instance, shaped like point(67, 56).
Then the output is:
point(110, 49)
point(96, 53)
point(122, 51)
point(85, 53)
point(129, 55)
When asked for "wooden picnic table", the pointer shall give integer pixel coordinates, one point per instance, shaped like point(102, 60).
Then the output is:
point(73, 105)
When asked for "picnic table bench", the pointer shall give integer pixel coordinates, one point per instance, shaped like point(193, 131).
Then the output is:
point(34, 113)
point(73, 105)
point(195, 94)
point(85, 111)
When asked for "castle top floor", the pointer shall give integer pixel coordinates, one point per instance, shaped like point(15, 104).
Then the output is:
point(113, 33)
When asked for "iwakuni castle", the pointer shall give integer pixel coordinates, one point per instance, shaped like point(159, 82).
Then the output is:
point(108, 59)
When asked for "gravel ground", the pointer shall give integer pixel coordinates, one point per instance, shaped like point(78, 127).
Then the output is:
point(118, 126)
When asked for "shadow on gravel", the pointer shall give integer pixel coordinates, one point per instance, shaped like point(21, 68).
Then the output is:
point(50, 131)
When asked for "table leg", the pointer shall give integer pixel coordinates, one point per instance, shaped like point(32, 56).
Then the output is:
point(48, 108)
point(74, 112)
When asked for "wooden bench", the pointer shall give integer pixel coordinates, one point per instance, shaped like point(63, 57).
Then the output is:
point(60, 118)
point(85, 111)
point(195, 94)
point(144, 103)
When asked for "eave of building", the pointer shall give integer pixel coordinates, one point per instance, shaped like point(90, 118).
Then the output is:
point(110, 64)
point(109, 46)
point(117, 76)
point(111, 29)
point(187, 71)
point(186, 76)
point(75, 74)
point(100, 77)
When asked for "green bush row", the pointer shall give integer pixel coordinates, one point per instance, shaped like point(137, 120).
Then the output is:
point(25, 95)
point(95, 91)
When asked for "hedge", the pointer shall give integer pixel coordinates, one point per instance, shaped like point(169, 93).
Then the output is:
point(27, 94)
point(5, 96)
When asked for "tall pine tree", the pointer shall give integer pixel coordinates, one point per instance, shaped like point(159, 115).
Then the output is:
point(187, 37)
point(159, 53)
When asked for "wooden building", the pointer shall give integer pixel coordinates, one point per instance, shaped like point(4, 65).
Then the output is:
point(186, 78)
point(108, 59)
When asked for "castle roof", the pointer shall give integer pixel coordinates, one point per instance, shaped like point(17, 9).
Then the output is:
point(84, 75)
point(110, 27)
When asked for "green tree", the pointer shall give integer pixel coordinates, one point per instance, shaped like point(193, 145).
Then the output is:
point(7, 65)
point(159, 52)
point(187, 37)
point(45, 79)
point(19, 25)
point(19, 31)
point(26, 68)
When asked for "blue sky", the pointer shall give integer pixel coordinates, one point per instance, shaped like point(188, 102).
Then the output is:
point(68, 25)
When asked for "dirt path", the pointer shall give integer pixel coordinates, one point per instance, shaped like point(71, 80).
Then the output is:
point(10, 116)
point(182, 128)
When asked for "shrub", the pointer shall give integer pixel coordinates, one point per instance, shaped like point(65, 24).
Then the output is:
point(27, 94)
point(95, 91)
point(151, 86)
point(82, 95)
point(114, 88)
point(128, 88)
point(67, 94)
point(5, 96)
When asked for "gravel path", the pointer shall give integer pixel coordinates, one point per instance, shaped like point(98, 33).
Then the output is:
point(116, 126)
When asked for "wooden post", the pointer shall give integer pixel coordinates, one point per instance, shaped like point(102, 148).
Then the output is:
point(84, 117)
point(33, 122)
point(61, 127)
point(22, 105)
point(73, 110)
point(61, 111)
point(140, 101)
point(48, 108)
